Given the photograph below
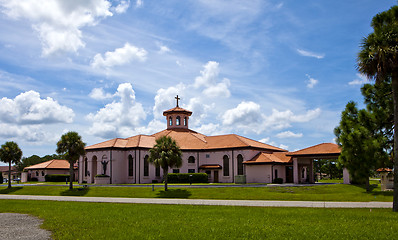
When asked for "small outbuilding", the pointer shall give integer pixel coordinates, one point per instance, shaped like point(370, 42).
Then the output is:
point(39, 171)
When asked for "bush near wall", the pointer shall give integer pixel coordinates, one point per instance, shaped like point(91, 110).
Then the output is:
point(278, 180)
point(56, 177)
point(184, 177)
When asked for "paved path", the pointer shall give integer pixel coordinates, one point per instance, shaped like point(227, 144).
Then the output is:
point(22, 227)
point(250, 203)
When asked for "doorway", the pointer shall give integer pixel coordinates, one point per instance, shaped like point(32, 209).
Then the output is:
point(215, 177)
point(289, 174)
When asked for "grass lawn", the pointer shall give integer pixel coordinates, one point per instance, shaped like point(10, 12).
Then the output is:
point(335, 192)
point(76, 220)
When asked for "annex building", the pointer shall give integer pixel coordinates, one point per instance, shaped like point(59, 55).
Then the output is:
point(222, 157)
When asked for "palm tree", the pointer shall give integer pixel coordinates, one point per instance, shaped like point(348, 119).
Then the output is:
point(10, 153)
point(72, 146)
point(165, 154)
point(378, 59)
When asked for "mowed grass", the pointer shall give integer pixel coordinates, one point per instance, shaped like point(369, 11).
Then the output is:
point(334, 192)
point(78, 220)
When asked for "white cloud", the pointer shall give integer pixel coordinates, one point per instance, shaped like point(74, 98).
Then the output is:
point(122, 7)
point(208, 75)
point(118, 119)
point(310, 54)
point(99, 94)
point(362, 79)
point(311, 82)
point(139, 3)
point(284, 146)
point(120, 56)
point(219, 90)
point(289, 134)
point(245, 114)
point(165, 99)
point(58, 23)
point(164, 49)
point(29, 108)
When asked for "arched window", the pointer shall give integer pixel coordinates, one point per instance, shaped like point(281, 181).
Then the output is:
point(178, 120)
point(157, 171)
point(226, 165)
point(191, 159)
point(146, 166)
point(85, 167)
point(240, 164)
point(185, 121)
point(170, 121)
point(276, 173)
point(131, 166)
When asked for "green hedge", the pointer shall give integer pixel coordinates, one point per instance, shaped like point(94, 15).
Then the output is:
point(56, 177)
point(184, 177)
point(278, 180)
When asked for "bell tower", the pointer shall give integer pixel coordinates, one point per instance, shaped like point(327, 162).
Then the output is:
point(177, 118)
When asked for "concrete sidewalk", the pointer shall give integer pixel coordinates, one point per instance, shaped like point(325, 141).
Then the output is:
point(249, 203)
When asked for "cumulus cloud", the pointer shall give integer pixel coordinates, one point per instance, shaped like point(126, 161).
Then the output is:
point(362, 79)
point(120, 56)
point(208, 79)
point(29, 108)
point(59, 23)
point(119, 118)
point(99, 94)
point(310, 54)
point(311, 82)
point(245, 113)
point(122, 7)
point(28, 117)
point(289, 134)
point(139, 3)
point(164, 49)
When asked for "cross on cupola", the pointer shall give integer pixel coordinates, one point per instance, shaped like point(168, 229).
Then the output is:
point(177, 98)
point(177, 118)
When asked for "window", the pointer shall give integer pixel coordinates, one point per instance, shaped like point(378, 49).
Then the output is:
point(240, 164)
point(37, 173)
point(191, 159)
point(170, 121)
point(191, 170)
point(185, 121)
point(131, 166)
point(157, 171)
point(42, 173)
point(276, 173)
point(207, 155)
point(146, 166)
point(176, 170)
point(178, 120)
point(208, 173)
point(85, 167)
point(303, 173)
point(226, 165)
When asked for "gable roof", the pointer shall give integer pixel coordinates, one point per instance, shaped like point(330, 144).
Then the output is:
point(187, 140)
point(52, 164)
point(177, 110)
point(323, 149)
point(5, 168)
point(267, 158)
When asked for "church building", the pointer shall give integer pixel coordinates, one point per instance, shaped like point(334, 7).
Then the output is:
point(222, 157)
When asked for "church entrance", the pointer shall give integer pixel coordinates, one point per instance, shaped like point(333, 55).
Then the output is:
point(289, 174)
point(215, 177)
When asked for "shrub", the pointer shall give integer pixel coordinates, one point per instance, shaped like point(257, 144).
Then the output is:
point(278, 180)
point(56, 178)
point(101, 175)
point(155, 181)
point(33, 179)
point(184, 177)
point(1, 178)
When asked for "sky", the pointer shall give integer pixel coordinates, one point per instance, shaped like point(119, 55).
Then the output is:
point(276, 71)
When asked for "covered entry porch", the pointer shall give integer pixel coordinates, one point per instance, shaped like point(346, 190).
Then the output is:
point(303, 160)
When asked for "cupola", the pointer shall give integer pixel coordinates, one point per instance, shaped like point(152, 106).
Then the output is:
point(177, 118)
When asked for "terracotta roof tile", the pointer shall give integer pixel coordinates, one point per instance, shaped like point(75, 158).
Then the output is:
point(320, 149)
point(264, 158)
point(384, 170)
point(52, 164)
point(5, 168)
point(177, 110)
point(210, 166)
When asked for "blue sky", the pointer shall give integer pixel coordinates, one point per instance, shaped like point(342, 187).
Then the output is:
point(279, 72)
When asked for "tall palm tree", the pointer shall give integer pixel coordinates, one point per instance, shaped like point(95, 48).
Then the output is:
point(165, 154)
point(10, 153)
point(72, 146)
point(378, 59)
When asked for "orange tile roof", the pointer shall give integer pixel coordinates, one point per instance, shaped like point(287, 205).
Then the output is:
point(384, 170)
point(264, 158)
point(5, 168)
point(52, 164)
point(187, 140)
point(210, 166)
point(320, 149)
point(177, 110)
